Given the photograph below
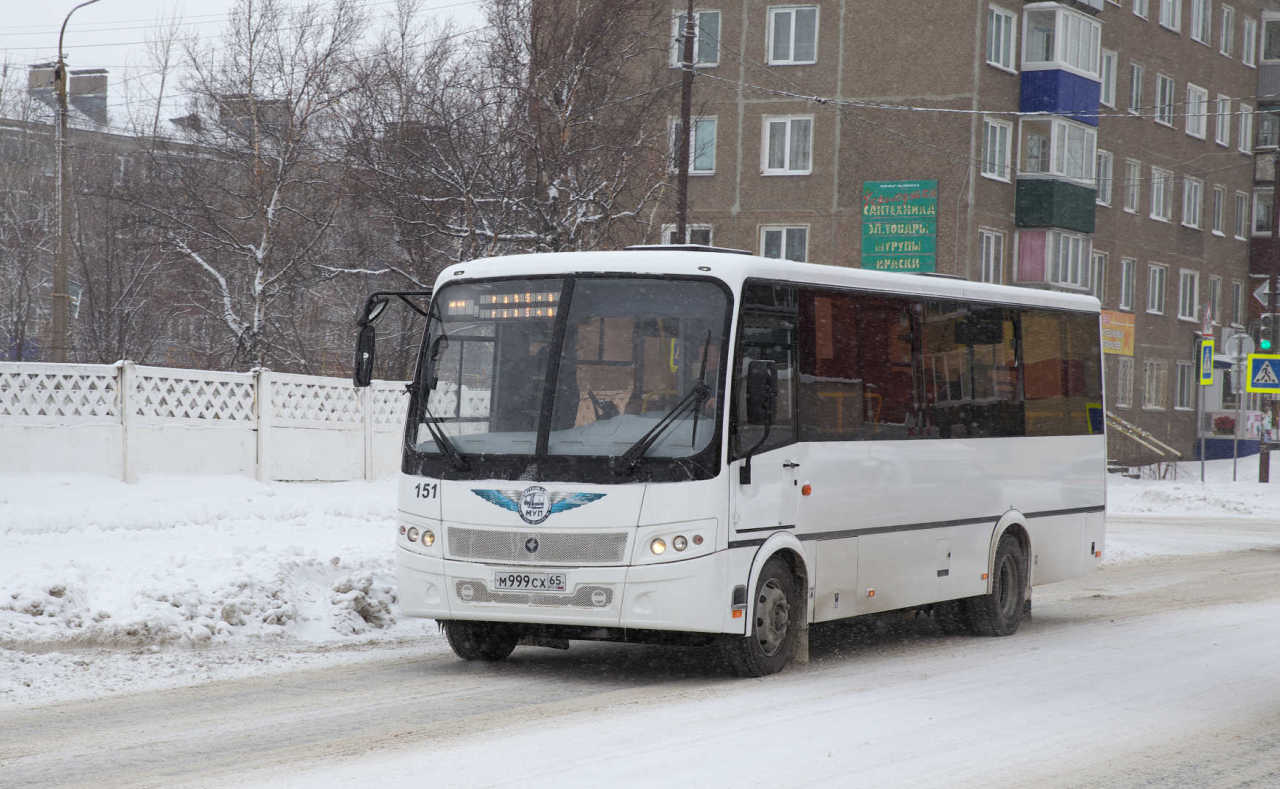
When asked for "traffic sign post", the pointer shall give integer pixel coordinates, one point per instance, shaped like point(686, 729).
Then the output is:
point(1239, 347)
point(1206, 379)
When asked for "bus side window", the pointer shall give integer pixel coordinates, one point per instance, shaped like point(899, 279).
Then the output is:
point(765, 337)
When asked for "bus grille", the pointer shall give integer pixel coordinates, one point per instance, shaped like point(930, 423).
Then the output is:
point(582, 597)
point(511, 546)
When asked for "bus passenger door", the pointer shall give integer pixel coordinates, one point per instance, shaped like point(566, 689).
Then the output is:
point(768, 502)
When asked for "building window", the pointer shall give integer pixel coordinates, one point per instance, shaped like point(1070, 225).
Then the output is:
point(1128, 270)
point(1098, 275)
point(702, 146)
point(1222, 128)
point(793, 35)
point(1237, 303)
point(1059, 147)
point(1186, 377)
point(791, 243)
point(1069, 259)
point(1103, 177)
point(1124, 381)
point(991, 255)
point(1262, 212)
point(1246, 128)
point(1219, 210)
point(694, 234)
point(1268, 129)
point(1141, 8)
point(1202, 21)
point(1242, 216)
point(1192, 202)
point(995, 149)
point(1055, 37)
point(1161, 194)
point(1155, 384)
point(1188, 294)
point(1156, 275)
point(1002, 44)
point(788, 145)
point(1215, 298)
point(1164, 100)
point(1108, 96)
point(706, 38)
point(1249, 42)
point(1197, 111)
point(1132, 185)
point(1270, 40)
point(1135, 88)
point(1227, 45)
point(1171, 14)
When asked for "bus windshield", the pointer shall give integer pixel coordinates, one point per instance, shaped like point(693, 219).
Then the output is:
point(498, 379)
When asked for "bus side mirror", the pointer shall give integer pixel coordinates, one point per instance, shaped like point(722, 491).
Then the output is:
point(762, 392)
point(364, 355)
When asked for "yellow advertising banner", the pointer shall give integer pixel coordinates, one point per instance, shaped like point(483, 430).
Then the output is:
point(1117, 332)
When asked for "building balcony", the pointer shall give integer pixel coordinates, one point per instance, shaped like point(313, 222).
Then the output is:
point(1049, 202)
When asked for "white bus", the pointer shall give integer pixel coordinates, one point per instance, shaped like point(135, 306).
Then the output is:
point(688, 446)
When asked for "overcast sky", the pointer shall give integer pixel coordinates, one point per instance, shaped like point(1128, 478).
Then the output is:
point(111, 34)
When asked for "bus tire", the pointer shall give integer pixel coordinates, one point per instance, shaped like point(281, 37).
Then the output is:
point(777, 619)
point(491, 641)
point(999, 612)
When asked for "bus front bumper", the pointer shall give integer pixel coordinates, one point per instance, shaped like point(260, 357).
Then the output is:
point(691, 595)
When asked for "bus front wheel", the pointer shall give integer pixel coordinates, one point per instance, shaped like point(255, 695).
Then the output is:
point(778, 609)
point(999, 612)
point(490, 641)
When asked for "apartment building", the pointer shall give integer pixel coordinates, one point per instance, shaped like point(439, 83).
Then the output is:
point(1102, 146)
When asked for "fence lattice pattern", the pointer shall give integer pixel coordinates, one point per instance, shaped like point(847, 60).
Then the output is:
point(389, 403)
point(58, 392)
point(317, 401)
point(193, 394)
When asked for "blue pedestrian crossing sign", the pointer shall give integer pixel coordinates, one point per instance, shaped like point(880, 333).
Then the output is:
point(1263, 373)
point(1206, 362)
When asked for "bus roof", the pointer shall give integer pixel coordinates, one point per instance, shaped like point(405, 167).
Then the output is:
point(734, 269)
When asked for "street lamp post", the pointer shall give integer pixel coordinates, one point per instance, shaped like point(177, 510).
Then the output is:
point(59, 296)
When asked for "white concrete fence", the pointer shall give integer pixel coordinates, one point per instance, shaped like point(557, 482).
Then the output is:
point(125, 419)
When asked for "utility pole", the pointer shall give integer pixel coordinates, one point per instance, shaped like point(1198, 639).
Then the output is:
point(60, 298)
point(685, 131)
point(1273, 275)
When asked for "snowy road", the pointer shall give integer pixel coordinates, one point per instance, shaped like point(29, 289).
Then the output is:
point(1158, 671)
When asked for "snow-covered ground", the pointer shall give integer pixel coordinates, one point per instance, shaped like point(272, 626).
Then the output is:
point(109, 587)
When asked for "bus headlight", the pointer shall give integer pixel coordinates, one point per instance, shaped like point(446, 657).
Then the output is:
point(658, 546)
point(680, 543)
point(412, 535)
point(428, 537)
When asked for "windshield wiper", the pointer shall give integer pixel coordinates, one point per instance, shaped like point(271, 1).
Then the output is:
point(694, 400)
point(442, 441)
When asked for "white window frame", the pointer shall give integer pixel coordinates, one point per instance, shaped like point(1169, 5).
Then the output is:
point(1128, 275)
point(1098, 274)
point(1155, 385)
point(1067, 259)
point(1184, 387)
point(1268, 133)
point(1246, 129)
point(1202, 21)
point(1243, 216)
point(1215, 300)
point(1157, 281)
point(1109, 62)
point(1249, 42)
point(1254, 228)
point(1218, 220)
point(1197, 111)
point(1222, 126)
point(1104, 176)
point(785, 230)
point(1171, 15)
point(1142, 8)
point(1132, 186)
point(697, 123)
point(1077, 41)
point(790, 10)
point(1161, 194)
point(991, 244)
point(1001, 160)
point(788, 167)
point(1227, 36)
point(1166, 91)
point(1002, 52)
point(669, 230)
point(1136, 74)
point(1268, 18)
point(1061, 132)
point(677, 33)
point(1192, 202)
point(1124, 382)
point(1188, 295)
point(1237, 302)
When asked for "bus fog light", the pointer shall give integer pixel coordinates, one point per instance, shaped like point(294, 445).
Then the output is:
point(697, 539)
point(657, 546)
point(680, 543)
point(412, 536)
point(428, 537)
point(402, 529)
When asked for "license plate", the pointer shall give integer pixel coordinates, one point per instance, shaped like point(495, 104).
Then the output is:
point(531, 582)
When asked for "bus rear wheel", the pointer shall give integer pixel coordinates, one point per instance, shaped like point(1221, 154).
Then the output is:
point(491, 641)
point(778, 608)
point(999, 612)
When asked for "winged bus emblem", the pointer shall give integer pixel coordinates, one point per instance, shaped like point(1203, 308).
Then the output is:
point(535, 503)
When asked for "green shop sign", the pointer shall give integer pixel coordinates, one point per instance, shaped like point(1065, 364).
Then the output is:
point(900, 225)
